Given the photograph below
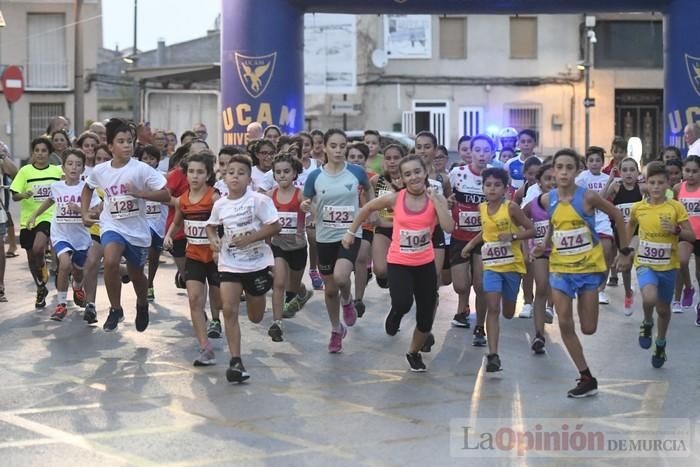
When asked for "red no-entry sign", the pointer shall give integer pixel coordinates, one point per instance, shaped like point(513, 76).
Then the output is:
point(12, 83)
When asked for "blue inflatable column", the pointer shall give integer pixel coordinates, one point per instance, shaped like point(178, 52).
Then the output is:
point(682, 69)
point(262, 70)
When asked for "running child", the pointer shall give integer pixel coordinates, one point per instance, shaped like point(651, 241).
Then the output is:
point(247, 219)
point(289, 248)
point(662, 222)
point(157, 215)
point(31, 187)
point(411, 263)
point(504, 225)
point(595, 180)
point(375, 160)
point(70, 239)
point(577, 265)
point(537, 213)
point(387, 182)
point(358, 154)
point(331, 196)
point(688, 193)
point(127, 184)
point(623, 194)
point(193, 211)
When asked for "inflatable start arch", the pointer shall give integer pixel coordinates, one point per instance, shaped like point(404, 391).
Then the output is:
point(262, 77)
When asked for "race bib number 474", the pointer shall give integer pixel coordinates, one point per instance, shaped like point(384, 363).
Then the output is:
point(572, 242)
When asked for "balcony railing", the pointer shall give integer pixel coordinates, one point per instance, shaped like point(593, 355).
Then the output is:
point(47, 76)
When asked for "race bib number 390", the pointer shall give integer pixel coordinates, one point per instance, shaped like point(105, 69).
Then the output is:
point(654, 253)
point(338, 217)
point(123, 207)
point(572, 242)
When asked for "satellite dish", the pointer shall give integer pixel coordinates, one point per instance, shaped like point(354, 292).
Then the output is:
point(379, 58)
point(635, 148)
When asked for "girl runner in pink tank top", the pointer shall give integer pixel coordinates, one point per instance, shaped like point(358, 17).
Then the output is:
point(411, 270)
point(688, 193)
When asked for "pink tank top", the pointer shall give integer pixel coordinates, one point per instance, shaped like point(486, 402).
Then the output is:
point(411, 241)
point(691, 201)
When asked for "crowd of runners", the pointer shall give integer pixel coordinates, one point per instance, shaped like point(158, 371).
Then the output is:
point(247, 221)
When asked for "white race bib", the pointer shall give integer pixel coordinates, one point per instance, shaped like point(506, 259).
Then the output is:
point(497, 253)
point(338, 217)
point(414, 241)
point(692, 205)
point(152, 209)
point(572, 242)
point(625, 209)
point(65, 215)
point(654, 253)
point(123, 207)
point(469, 221)
point(381, 193)
point(289, 222)
point(41, 192)
point(540, 230)
point(196, 232)
point(249, 253)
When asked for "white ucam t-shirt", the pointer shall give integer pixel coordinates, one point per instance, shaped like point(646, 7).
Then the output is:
point(596, 183)
point(240, 217)
point(123, 213)
point(67, 225)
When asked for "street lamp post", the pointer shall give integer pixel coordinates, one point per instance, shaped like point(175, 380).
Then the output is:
point(588, 101)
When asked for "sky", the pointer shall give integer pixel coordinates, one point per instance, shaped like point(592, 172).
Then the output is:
point(172, 20)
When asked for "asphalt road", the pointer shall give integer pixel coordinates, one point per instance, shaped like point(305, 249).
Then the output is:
point(72, 394)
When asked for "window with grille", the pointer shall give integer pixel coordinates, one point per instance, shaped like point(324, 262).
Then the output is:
point(40, 115)
point(47, 66)
point(523, 37)
point(524, 116)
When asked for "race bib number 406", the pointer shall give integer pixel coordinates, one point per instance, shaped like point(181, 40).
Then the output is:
point(572, 242)
point(123, 207)
point(338, 217)
point(469, 221)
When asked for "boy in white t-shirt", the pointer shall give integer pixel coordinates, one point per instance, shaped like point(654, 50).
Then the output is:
point(70, 239)
point(237, 230)
point(127, 184)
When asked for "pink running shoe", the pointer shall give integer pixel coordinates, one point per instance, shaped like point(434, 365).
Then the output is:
point(316, 280)
point(349, 314)
point(336, 343)
point(629, 300)
point(687, 298)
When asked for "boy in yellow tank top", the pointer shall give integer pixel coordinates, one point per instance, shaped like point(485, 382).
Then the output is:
point(662, 222)
point(501, 255)
point(576, 264)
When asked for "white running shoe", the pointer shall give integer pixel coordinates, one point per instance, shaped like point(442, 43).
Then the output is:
point(676, 307)
point(526, 311)
point(603, 298)
point(549, 315)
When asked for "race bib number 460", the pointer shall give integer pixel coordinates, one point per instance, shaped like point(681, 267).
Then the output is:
point(572, 242)
point(497, 253)
point(414, 241)
point(654, 253)
point(123, 207)
point(338, 217)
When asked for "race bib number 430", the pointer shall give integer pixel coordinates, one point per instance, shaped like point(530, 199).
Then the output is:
point(123, 207)
point(338, 217)
point(572, 242)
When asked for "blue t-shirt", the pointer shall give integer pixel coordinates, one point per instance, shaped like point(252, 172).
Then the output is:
point(514, 167)
point(336, 199)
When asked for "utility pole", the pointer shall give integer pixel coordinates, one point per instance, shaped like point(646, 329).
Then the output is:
point(135, 61)
point(79, 78)
point(588, 102)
